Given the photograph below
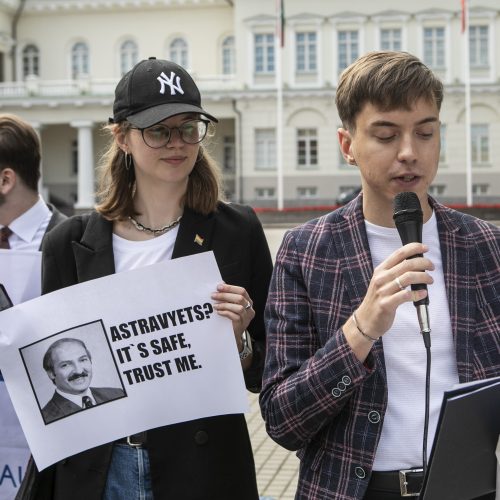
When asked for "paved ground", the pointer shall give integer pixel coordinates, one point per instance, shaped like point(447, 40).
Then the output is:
point(277, 468)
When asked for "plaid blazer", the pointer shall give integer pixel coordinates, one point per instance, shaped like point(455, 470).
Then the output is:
point(317, 397)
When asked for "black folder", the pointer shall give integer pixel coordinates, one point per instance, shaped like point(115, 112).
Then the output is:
point(462, 464)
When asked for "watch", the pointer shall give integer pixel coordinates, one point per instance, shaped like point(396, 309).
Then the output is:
point(247, 345)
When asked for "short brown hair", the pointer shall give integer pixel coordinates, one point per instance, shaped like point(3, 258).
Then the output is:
point(388, 80)
point(117, 181)
point(20, 149)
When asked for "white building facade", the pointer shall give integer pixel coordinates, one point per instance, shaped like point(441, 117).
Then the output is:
point(60, 61)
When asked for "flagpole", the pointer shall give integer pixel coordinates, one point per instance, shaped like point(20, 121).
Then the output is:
point(468, 135)
point(279, 104)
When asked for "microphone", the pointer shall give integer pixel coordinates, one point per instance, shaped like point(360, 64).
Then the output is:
point(408, 218)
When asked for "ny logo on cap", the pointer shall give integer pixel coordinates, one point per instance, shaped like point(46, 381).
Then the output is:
point(165, 80)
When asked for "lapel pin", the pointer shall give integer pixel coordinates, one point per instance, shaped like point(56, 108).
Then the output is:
point(198, 239)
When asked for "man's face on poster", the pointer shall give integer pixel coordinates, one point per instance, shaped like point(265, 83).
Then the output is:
point(72, 370)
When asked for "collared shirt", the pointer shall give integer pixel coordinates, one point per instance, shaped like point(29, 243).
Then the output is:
point(28, 229)
point(77, 398)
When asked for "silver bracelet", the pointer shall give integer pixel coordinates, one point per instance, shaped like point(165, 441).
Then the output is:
point(371, 339)
point(247, 345)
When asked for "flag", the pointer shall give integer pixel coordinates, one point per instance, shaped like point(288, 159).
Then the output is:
point(463, 20)
point(280, 21)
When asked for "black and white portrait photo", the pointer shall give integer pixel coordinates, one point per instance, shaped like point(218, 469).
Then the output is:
point(78, 369)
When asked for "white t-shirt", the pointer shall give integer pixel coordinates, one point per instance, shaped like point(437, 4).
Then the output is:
point(135, 254)
point(400, 444)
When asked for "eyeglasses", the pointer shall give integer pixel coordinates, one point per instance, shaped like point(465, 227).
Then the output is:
point(158, 136)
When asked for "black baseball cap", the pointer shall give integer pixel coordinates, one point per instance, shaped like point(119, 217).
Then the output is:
point(153, 90)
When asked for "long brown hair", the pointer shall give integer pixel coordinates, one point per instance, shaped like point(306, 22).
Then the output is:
point(117, 181)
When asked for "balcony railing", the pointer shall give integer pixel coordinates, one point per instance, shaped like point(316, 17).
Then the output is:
point(34, 87)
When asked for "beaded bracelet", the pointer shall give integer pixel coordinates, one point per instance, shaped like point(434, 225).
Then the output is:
point(371, 339)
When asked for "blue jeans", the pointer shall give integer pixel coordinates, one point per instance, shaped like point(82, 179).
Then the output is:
point(129, 476)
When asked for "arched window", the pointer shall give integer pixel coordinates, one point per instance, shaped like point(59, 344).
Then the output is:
point(79, 60)
point(129, 56)
point(30, 61)
point(179, 52)
point(228, 56)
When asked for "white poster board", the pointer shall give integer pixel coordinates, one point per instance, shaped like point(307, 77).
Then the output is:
point(20, 273)
point(158, 350)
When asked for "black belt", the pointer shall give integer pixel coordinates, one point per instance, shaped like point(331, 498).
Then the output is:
point(406, 482)
point(136, 440)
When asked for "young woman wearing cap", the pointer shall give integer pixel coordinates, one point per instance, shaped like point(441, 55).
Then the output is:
point(160, 199)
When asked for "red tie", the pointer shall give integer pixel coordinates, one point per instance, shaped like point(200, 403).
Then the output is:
point(5, 232)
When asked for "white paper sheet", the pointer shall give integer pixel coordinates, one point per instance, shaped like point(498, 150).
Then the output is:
point(151, 332)
point(14, 451)
point(20, 274)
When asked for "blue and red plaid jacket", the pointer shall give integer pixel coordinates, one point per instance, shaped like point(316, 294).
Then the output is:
point(317, 398)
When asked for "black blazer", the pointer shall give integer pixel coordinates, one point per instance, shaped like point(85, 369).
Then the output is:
point(56, 218)
point(205, 459)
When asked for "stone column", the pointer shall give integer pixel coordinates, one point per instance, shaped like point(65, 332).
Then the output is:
point(86, 186)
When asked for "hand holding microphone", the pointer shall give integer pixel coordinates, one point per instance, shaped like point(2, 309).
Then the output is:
point(408, 218)
point(404, 267)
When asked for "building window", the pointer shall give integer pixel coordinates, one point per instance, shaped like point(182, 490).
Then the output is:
point(265, 149)
point(480, 189)
point(306, 52)
point(264, 53)
point(348, 48)
point(479, 46)
point(179, 52)
point(307, 147)
point(436, 189)
point(228, 56)
point(480, 146)
point(265, 193)
point(79, 60)
point(129, 56)
point(30, 61)
point(434, 47)
point(390, 39)
point(307, 193)
point(442, 151)
point(229, 154)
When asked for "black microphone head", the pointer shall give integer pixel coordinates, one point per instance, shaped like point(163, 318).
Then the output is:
point(407, 207)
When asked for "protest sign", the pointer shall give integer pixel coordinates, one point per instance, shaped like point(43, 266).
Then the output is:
point(154, 353)
point(20, 273)
point(14, 451)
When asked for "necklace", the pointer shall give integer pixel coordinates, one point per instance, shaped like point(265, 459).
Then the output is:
point(154, 232)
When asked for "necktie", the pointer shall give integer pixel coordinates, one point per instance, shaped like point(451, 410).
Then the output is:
point(86, 402)
point(5, 232)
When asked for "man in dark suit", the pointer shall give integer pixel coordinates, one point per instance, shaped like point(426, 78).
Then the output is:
point(25, 218)
point(68, 364)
